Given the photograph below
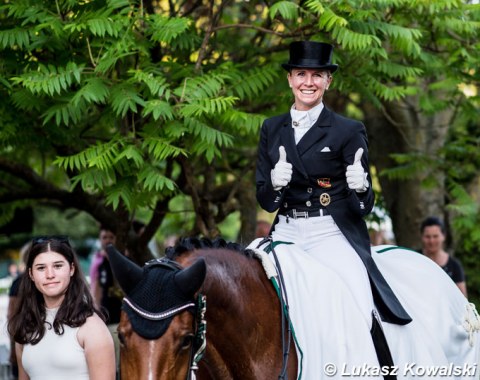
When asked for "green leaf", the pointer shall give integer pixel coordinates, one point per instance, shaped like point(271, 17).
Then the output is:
point(161, 149)
point(156, 84)
point(49, 79)
point(103, 26)
point(207, 134)
point(121, 192)
point(101, 156)
point(64, 112)
point(252, 82)
point(166, 29)
point(207, 106)
point(95, 90)
point(17, 38)
point(158, 109)
point(124, 98)
point(329, 20)
point(287, 9)
point(153, 180)
point(353, 40)
point(133, 153)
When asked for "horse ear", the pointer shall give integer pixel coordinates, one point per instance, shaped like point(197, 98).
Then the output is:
point(190, 279)
point(127, 273)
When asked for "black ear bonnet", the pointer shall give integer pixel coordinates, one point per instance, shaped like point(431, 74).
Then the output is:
point(156, 293)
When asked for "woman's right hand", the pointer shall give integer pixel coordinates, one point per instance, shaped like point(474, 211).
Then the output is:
point(282, 172)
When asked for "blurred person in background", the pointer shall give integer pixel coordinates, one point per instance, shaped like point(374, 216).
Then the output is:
point(263, 228)
point(12, 270)
point(432, 231)
point(106, 294)
point(106, 237)
point(13, 302)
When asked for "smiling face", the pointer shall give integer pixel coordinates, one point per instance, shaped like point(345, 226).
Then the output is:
point(308, 86)
point(51, 274)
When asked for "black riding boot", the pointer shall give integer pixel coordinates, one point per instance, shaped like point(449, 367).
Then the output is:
point(381, 347)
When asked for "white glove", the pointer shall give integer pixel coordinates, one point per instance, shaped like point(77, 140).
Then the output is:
point(282, 172)
point(356, 176)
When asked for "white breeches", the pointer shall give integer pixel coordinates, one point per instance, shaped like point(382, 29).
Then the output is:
point(330, 304)
point(321, 239)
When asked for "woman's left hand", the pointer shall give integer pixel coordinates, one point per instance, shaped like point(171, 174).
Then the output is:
point(356, 176)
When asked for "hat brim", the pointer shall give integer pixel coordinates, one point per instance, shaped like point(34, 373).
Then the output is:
point(332, 68)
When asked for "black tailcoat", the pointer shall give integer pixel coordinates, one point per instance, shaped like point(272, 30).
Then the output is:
point(319, 163)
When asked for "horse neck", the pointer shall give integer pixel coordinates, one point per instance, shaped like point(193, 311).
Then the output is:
point(242, 316)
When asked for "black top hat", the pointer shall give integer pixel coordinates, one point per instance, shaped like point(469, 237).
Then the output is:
point(310, 55)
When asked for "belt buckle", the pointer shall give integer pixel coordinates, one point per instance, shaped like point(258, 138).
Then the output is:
point(299, 214)
point(325, 199)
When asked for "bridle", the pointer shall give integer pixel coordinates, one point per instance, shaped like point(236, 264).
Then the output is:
point(198, 346)
point(200, 340)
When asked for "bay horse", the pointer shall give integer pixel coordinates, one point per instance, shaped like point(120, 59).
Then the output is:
point(162, 326)
point(158, 330)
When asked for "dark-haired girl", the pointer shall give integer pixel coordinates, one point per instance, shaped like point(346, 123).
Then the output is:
point(59, 333)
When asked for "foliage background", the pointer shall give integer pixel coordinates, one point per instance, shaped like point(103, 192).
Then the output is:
point(149, 110)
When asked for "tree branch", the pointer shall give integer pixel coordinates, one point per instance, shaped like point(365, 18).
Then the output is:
point(26, 174)
point(39, 188)
point(247, 26)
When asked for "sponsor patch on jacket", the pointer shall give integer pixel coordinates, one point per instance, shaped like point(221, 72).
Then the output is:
point(324, 183)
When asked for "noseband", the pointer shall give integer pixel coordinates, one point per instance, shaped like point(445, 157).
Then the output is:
point(200, 340)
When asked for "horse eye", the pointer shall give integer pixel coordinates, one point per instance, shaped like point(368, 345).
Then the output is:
point(187, 341)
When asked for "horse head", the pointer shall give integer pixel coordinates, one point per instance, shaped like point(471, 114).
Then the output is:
point(158, 311)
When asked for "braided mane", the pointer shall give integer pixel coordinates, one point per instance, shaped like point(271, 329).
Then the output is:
point(187, 244)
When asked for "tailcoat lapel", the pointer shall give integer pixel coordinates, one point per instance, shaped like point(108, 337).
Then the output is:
point(287, 139)
point(315, 133)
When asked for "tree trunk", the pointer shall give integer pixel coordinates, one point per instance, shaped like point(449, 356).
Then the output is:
point(248, 210)
point(401, 128)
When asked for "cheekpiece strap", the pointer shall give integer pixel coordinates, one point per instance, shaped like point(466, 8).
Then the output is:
point(201, 335)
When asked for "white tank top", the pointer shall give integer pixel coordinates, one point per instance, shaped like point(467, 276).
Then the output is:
point(55, 357)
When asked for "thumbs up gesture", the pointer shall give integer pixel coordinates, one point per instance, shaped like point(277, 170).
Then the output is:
point(356, 176)
point(282, 172)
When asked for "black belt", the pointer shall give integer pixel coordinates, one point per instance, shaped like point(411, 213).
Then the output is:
point(295, 214)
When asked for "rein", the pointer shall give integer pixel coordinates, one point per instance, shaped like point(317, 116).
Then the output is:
point(286, 340)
